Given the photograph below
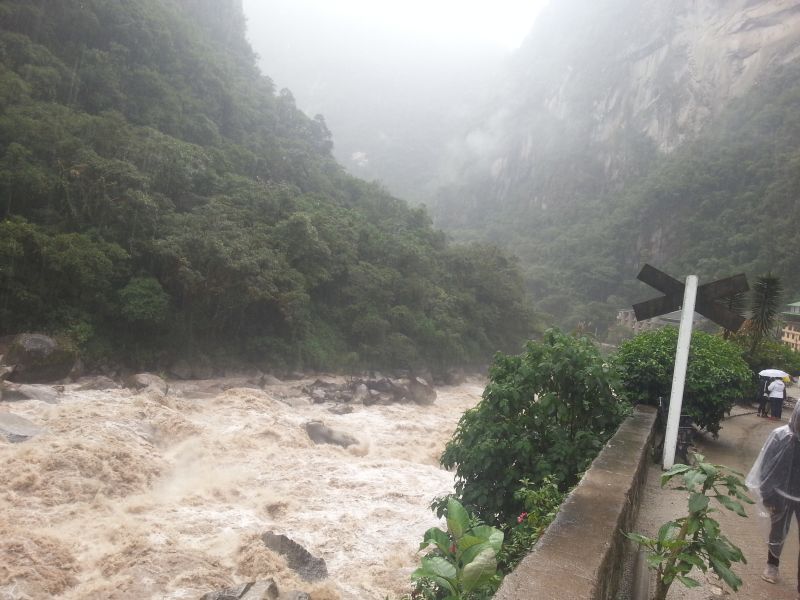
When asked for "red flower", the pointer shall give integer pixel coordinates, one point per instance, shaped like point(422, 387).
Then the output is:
point(521, 517)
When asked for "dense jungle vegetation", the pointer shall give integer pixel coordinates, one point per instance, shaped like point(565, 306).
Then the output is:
point(159, 199)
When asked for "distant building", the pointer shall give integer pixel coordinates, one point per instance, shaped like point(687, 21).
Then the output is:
point(791, 328)
point(626, 318)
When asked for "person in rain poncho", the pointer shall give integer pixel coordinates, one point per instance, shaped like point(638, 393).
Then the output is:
point(775, 478)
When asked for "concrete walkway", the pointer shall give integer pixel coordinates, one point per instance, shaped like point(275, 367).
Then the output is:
point(737, 447)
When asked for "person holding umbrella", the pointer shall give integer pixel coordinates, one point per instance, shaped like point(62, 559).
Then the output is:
point(776, 391)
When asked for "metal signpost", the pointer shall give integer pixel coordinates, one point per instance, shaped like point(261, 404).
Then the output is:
point(689, 298)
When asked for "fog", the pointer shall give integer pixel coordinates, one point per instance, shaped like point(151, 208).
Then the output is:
point(392, 80)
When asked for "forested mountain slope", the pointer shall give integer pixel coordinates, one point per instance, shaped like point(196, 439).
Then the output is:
point(635, 130)
point(159, 199)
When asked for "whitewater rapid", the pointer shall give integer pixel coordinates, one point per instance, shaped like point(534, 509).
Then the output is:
point(129, 495)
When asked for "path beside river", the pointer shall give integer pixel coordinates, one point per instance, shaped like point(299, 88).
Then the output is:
point(737, 447)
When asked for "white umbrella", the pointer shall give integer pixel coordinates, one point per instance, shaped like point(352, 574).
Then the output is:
point(773, 373)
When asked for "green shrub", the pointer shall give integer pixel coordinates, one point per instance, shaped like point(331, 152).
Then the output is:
point(545, 413)
point(144, 301)
point(716, 376)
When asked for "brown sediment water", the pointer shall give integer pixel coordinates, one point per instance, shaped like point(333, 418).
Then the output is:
point(130, 495)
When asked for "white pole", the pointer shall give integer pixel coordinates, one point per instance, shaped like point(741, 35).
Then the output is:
point(679, 375)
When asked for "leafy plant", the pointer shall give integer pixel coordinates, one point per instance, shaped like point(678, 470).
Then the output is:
point(541, 504)
point(716, 377)
point(545, 413)
point(695, 541)
point(464, 561)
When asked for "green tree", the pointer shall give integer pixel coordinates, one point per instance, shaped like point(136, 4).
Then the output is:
point(546, 412)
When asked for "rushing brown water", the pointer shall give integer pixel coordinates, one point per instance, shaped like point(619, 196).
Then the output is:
point(143, 496)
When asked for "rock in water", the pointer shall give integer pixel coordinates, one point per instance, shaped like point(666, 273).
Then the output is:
point(38, 359)
point(299, 559)
point(144, 381)
point(420, 391)
point(254, 590)
point(322, 434)
point(99, 382)
point(17, 429)
point(20, 391)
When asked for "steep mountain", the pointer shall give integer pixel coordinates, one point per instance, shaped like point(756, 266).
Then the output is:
point(604, 100)
point(161, 200)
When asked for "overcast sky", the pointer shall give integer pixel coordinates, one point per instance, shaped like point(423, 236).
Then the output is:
point(501, 22)
point(389, 76)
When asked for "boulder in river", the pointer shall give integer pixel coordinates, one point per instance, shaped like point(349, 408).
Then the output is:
point(300, 560)
point(253, 590)
point(97, 382)
point(420, 391)
point(145, 381)
point(17, 429)
point(268, 379)
point(11, 392)
point(322, 434)
point(39, 359)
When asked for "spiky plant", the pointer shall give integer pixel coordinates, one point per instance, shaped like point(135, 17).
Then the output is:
point(765, 304)
point(736, 303)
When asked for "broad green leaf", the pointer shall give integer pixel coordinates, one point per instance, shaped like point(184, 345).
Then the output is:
point(675, 470)
point(732, 504)
point(490, 534)
point(436, 536)
point(726, 574)
point(440, 566)
point(666, 530)
point(711, 527)
point(479, 571)
point(473, 551)
point(688, 581)
point(653, 560)
point(698, 502)
point(425, 573)
point(708, 469)
point(468, 541)
point(457, 518)
point(693, 560)
point(694, 478)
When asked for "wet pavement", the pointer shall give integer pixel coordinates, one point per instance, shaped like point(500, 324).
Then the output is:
point(737, 447)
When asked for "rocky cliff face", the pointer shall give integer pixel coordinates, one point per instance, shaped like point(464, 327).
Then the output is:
point(700, 55)
point(601, 88)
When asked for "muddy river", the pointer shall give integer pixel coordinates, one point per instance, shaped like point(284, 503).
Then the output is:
point(127, 495)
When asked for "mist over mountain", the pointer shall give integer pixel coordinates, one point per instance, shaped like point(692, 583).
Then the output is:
point(572, 151)
point(392, 97)
point(629, 131)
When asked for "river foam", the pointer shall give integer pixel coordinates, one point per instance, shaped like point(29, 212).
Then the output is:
point(141, 496)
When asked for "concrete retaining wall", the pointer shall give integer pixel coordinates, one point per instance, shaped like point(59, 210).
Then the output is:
point(581, 555)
